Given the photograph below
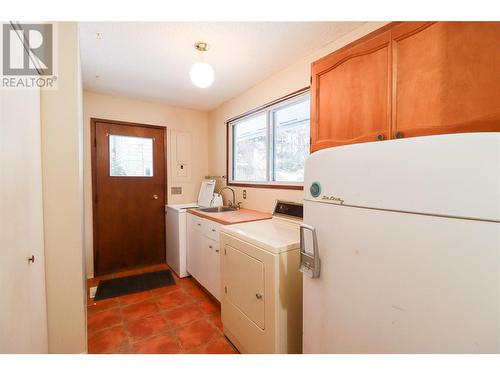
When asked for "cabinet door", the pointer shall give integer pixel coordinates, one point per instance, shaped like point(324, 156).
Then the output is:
point(203, 261)
point(212, 267)
point(446, 77)
point(350, 95)
point(194, 246)
point(211, 230)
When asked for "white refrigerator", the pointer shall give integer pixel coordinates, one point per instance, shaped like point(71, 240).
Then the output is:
point(400, 247)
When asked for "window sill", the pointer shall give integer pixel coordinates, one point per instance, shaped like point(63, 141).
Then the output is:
point(265, 185)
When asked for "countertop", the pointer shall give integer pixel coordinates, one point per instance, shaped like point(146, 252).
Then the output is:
point(232, 217)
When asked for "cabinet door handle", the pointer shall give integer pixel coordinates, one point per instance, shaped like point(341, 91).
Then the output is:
point(210, 246)
point(213, 230)
point(258, 295)
point(399, 135)
point(198, 224)
point(216, 250)
point(380, 137)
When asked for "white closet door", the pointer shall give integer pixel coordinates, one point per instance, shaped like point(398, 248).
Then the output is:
point(23, 319)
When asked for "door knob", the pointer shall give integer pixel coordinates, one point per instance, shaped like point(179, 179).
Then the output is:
point(155, 196)
point(31, 259)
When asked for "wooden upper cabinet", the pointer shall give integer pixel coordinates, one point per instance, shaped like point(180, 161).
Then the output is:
point(350, 101)
point(408, 79)
point(446, 77)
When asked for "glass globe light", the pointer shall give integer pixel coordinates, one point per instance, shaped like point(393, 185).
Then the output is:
point(202, 74)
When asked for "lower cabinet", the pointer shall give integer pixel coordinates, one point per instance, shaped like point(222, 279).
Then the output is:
point(203, 253)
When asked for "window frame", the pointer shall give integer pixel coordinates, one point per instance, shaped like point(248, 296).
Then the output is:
point(268, 109)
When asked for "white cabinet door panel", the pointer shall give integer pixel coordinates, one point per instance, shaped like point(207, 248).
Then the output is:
point(203, 254)
point(213, 267)
point(194, 262)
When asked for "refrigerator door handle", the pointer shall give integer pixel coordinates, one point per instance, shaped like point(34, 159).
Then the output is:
point(309, 262)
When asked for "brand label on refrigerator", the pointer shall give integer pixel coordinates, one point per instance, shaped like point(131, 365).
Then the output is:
point(333, 199)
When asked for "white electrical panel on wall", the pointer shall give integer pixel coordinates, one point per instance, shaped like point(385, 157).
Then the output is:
point(180, 143)
point(183, 143)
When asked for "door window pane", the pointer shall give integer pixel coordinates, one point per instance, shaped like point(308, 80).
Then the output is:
point(130, 156)
point(291, 141)
point(250, 149)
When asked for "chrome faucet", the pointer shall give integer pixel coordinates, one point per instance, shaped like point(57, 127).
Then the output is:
point(232, 203)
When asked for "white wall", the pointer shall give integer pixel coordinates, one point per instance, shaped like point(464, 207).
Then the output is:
point(61, 118)
point(291, 79)
point(153, 113)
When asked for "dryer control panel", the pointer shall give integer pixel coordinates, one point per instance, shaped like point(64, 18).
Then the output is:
point(289, 210)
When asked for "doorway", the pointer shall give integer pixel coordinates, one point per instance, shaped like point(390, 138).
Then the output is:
point(129, 195)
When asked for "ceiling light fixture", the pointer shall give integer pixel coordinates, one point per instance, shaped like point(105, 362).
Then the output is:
point(201, 73)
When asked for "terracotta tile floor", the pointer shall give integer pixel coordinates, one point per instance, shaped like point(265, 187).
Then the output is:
point(181, 318)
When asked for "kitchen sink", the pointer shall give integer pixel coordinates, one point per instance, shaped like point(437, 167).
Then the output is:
point(216, 209)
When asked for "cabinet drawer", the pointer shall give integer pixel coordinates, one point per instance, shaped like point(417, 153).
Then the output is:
point(211, 230)
point(199, 224)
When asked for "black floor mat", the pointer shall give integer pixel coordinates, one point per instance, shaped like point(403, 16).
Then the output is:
point(133, 284)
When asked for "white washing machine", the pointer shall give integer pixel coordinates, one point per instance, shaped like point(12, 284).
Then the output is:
point(261, 282)
point(176, 226)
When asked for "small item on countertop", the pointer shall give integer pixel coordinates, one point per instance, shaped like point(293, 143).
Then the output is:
point(216, 200)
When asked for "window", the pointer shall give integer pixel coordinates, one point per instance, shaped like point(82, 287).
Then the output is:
point(270, 146)
point(130, 156)
point(250, 149)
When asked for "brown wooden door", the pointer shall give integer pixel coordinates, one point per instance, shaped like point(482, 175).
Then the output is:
point(129, 195)
point(351, 95)
point(446, 77)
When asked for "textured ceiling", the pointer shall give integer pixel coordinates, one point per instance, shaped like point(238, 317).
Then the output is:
point(151, 61)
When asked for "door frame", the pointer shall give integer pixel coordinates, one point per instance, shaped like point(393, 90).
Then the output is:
point(93, 146)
